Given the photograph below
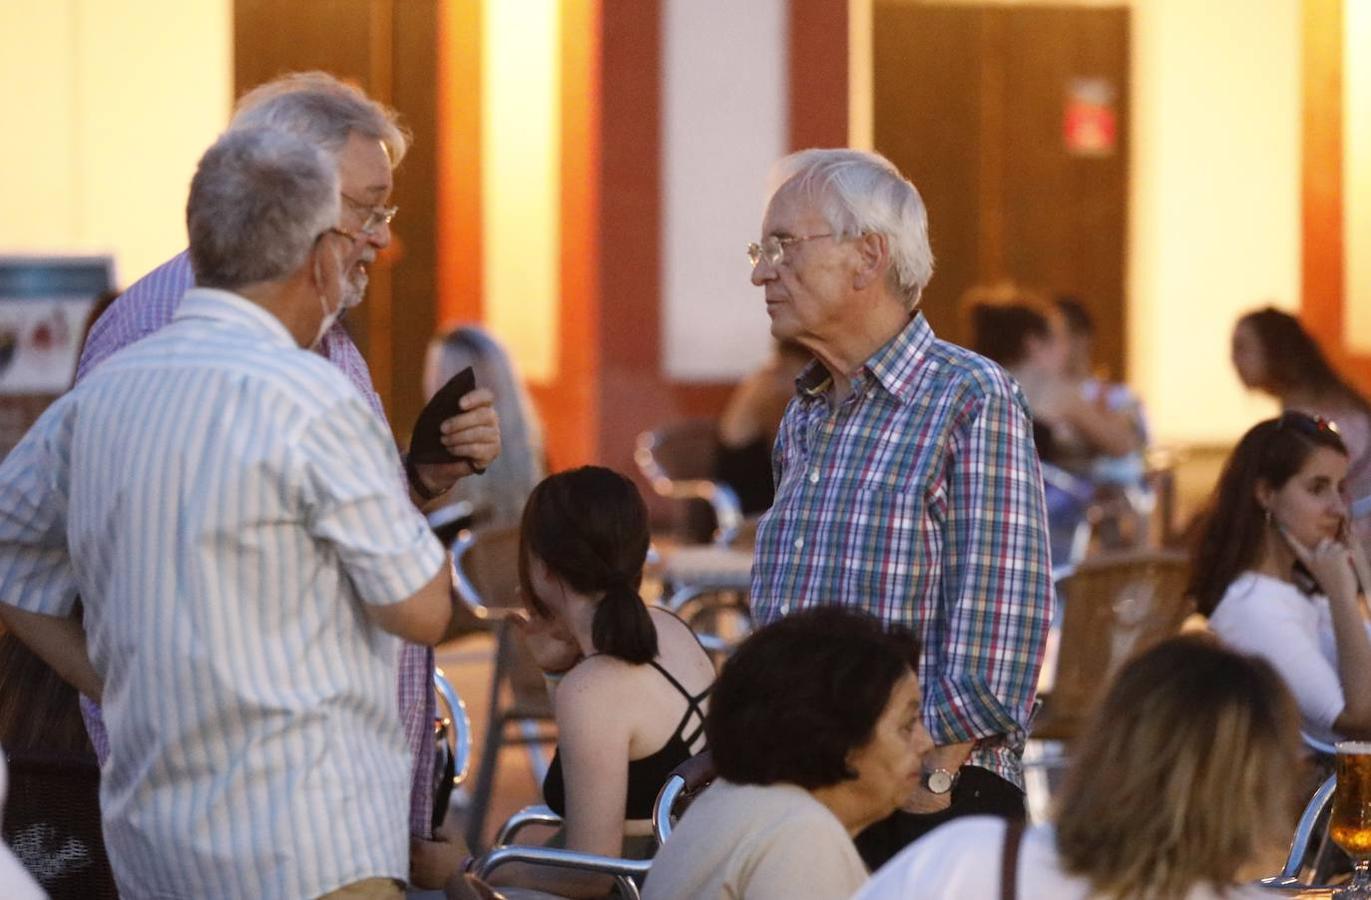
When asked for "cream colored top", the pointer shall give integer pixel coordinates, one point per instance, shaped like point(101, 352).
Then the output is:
point(756, 842)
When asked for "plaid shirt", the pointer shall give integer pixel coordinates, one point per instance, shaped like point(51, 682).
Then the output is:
point(145, 308)
point(920, 500)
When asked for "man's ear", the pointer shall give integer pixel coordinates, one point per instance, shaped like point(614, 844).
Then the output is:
point(873, 254)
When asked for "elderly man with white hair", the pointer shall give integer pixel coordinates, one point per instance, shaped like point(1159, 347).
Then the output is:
point(225, 504)
point(907, 483)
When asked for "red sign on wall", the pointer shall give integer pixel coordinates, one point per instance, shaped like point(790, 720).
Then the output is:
point(1090, 126)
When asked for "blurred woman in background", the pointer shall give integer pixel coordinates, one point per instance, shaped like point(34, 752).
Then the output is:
point(1274, 354)
point(497, 497)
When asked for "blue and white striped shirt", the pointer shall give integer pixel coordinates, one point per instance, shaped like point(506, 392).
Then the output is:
point(224, 502)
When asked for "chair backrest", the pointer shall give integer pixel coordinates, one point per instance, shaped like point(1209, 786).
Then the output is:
point(679, 462)
point(682, 786)
point(52, 823)
point(1115, 607)
point(486, 570)
point(486, 576)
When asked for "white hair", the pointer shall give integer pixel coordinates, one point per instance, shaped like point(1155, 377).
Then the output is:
point(863, 193)
point(258, 201)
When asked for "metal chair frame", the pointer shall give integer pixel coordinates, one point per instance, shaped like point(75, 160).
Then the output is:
point(728, 511)
point(681, 786)
point(1314, 813)
point(533, 714)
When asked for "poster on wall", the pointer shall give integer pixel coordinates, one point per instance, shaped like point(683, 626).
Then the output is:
point(45, 302)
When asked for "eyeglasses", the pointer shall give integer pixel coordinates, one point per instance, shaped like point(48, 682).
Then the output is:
point(772, 249)
point(373, 217)
point(353, 236)
point(1307, 424)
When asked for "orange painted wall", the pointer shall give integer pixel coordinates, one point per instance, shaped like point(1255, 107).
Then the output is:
point(1322, 223)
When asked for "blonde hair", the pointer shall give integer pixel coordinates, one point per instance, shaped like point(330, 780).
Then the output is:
point(1186, 774)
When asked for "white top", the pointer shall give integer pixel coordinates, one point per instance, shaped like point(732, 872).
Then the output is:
point(224, 502)
point(963, 859)
point(1272, 619)
point(756, 842)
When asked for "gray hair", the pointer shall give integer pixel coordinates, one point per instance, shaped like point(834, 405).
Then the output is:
point(322, 110)
point(258, 201)
point(863, 193)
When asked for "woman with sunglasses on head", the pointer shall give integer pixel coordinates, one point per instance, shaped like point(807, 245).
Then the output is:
point(631, 683)
point(1274, 572)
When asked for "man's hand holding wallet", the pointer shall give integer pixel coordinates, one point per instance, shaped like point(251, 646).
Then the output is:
point(456, 434)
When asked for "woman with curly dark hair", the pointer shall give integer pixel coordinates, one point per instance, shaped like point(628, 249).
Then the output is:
point(816, 733)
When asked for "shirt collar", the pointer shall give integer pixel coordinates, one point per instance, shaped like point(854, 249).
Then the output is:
point(893, 366)
point(226, 306)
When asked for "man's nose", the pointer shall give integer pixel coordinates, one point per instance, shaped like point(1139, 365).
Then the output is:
point(380, 236)
point(763, 272)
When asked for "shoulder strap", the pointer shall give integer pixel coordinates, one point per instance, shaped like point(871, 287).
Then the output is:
point(1009, 859)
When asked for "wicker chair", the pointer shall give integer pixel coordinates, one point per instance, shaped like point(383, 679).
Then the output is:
point(486, 567)
point(1115, 607)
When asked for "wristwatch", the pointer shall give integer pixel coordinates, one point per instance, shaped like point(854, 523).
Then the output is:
point(939, 781)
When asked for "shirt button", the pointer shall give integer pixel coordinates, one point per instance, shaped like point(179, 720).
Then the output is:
point(799, 543)
point(814, 476)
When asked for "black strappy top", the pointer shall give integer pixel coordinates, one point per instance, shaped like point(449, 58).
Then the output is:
point(647, 775)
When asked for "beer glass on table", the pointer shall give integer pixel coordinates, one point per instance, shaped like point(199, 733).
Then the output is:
point(1350, 824)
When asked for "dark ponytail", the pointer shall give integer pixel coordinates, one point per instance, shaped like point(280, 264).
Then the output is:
point(622, 626)
point(589, 526)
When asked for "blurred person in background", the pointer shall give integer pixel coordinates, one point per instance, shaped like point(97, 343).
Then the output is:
point(1273, 571)
point(748, 426)
point(496, 499)
point(1274, 354)
point(815, 733)
point(1028, 336)
point(1181, 787)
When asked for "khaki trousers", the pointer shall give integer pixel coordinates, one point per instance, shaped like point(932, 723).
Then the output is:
point(368, 889)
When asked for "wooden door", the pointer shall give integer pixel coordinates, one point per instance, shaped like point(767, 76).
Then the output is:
point(974, 104)
point(388, 49)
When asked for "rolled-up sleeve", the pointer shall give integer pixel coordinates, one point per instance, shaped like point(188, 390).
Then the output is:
point(36, 574)
point(358, 506)
point(997, 585)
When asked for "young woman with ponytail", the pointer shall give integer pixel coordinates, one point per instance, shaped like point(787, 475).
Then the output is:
point(630, 683)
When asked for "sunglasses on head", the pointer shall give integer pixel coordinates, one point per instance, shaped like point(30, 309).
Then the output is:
point(1307, 424)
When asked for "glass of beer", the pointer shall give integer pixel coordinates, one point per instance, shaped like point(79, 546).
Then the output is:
point(1350, 824)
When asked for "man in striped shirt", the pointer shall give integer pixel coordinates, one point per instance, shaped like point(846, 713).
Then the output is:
point(224, 502)
point(907, 483)
point(368, 143)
